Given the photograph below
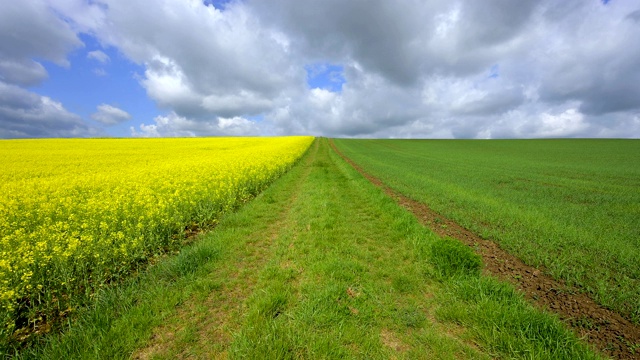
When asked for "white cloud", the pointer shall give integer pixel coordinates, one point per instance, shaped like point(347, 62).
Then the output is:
point(568, 123)
point(412, 68)
point(201, 62)
point(100, 72)
point(98, 56)
point(168, 85)
point(110, 115)
point(174, 125)
point(237, 126)
point(537, 69)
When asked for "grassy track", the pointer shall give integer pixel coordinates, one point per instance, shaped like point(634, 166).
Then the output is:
point(320, 265)
point(571, 206)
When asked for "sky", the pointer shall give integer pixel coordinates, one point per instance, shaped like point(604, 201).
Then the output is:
point(336, 68)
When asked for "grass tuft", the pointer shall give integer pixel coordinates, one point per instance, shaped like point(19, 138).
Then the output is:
point(453, 258)
point(506, 324)
point(190, 259)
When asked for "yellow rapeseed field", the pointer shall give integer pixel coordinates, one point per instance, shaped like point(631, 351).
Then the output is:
point(78, 213)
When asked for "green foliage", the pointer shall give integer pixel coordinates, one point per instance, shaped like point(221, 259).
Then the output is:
point(453, 258)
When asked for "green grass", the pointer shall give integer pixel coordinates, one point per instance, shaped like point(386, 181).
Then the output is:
point(572, 206)
point(450, 257)
point(322, 265)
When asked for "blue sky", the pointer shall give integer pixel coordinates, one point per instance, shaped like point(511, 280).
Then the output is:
point(221, 4)
point(438, 69)
point(325, 76)
point(86, 83)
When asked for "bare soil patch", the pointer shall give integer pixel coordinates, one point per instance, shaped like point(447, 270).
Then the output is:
point(608, 331)
point(390, 340)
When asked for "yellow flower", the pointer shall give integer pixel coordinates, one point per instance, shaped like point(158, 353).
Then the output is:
point(76, 208)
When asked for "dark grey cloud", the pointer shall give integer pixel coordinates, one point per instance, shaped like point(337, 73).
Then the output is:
point(365, 31)
point(23, 72)
point(634, 16)
point(595, 62)
point(31, 32)
point(28, 30)
point(401, 40)
point(26, 114)
point(494, 22)
point(493, 104)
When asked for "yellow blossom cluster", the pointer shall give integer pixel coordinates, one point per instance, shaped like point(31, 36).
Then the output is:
point(78, 213)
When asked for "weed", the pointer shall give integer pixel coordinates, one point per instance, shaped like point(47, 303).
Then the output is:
point(585, 323)
point(412, 318)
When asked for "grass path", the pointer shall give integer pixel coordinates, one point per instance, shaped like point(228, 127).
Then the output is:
point(322, 265)
point(326, 280)
point(208, 326)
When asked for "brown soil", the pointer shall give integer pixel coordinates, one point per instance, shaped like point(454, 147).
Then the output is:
point(609, 332)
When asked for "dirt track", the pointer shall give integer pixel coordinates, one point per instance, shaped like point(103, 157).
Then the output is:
point(606, 330)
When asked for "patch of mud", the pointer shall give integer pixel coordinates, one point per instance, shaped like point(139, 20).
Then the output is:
point(608, 331)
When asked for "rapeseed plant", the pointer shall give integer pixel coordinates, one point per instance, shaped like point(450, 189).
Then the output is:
point(77, 214)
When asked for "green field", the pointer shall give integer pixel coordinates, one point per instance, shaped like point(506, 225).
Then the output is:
point(321, 265)
point(571, 206)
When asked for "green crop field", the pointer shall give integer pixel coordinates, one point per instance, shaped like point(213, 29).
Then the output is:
point(571, 206)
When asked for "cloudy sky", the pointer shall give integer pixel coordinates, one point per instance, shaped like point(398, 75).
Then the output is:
point(339, 68)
